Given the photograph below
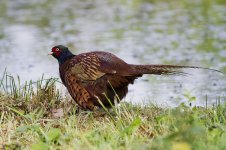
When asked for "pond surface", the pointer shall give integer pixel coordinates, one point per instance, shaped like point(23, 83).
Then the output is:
point(143, 32)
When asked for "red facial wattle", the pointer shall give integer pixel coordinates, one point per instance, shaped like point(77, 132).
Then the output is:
point(56, 51)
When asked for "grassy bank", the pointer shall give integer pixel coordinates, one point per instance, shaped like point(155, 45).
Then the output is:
point(36, 116)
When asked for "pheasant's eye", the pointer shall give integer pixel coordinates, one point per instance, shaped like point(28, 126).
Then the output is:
point(56, 49)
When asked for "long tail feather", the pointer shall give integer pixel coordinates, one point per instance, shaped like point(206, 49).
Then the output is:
point(165, 69)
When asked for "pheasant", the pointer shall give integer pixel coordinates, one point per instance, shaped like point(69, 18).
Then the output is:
point(101, 76)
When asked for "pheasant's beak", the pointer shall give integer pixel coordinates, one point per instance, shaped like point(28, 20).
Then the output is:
point(51, 53)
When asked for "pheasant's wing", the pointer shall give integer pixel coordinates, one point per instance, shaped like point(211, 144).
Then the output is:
point(77, 91)
point(87, 67)
point(93, 65)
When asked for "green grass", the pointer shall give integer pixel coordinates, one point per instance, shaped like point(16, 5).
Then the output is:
point(35, 116)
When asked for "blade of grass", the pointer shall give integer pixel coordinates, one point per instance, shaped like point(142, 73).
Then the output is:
point(1, 81)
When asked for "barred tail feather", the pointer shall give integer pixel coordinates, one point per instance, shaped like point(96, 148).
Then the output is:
point(165, 69)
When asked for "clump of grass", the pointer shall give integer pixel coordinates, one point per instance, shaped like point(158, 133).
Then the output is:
point(40, 97)
point(35, 116)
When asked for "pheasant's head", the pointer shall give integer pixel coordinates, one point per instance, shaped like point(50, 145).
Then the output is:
point(61, 53)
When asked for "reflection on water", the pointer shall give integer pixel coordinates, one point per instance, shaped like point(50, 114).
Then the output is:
point(188, 33)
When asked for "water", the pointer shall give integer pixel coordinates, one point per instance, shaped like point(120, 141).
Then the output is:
point(142, 32)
